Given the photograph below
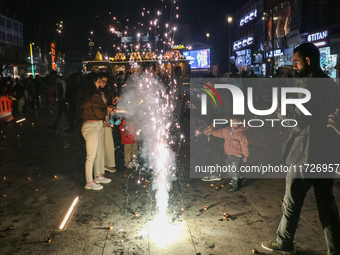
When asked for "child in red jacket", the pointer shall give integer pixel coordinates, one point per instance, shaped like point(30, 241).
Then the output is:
point(130, 140)
point(235, 147)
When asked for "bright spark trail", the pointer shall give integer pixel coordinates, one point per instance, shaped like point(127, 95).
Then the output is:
point(152, 109)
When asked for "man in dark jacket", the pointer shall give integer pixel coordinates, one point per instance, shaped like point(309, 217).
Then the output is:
point(309, 142)
point(71, 98)
point(60, 89)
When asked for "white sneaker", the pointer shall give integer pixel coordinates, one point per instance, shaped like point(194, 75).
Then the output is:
point(130, 165)
point(134, 163)
point(211, 178)
point(102, 179)
point(93, 185)
point(110, 169)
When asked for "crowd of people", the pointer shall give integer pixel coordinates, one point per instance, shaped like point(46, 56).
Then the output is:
point(89, 101)
point(26, 93)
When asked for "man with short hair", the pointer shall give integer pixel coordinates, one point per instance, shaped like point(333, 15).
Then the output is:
point(309, 142)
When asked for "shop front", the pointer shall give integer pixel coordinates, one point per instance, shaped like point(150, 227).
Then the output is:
point(245, 59)
point(258, 65)
point(334, 43)
point(327, 60)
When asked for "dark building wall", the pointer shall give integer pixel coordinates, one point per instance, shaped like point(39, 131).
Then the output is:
point(318, 14)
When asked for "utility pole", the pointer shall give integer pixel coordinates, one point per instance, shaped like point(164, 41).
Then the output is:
point(273, 39)
point(230, 19)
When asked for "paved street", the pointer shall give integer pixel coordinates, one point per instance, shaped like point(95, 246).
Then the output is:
point(42, 172)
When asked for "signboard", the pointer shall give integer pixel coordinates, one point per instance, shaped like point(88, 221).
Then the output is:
point(249, 17)
point(293, 38)
point(277, 53)
point(178, 47)
point(317, 36)
point(243, 57)
point(198, 59)
point(247, 41)
point(126, 39)
point(53, 56)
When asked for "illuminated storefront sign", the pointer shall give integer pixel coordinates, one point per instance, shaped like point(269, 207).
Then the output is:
point(247, 41)
point(243, 57)
point(278, 52)
point(53, 56)
point(249, 17)
point(178, 47)
point(317, 36)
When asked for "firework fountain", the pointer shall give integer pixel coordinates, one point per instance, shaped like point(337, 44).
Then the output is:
point(151, 107)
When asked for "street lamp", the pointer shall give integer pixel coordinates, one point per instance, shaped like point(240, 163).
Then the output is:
point(230, 19)
point(208, 35)
point(138, 36)
point(155, 23)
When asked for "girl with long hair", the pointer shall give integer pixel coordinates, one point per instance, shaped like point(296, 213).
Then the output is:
point(93, 110)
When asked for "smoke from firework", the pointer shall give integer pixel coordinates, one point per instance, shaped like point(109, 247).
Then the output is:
point(151, 109)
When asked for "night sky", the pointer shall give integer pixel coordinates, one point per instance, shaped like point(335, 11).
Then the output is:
point(79, 17)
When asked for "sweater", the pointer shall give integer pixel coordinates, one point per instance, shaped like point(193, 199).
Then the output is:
point(235, 144)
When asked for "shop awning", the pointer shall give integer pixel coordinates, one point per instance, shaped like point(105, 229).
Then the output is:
point(4, 60)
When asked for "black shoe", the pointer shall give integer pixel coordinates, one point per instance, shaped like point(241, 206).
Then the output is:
point(274, 246)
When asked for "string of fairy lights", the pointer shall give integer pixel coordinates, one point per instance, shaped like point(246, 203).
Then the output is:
point(152, 29)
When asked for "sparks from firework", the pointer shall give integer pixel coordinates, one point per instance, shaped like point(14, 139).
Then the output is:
point(162, 18)
point(151, 108)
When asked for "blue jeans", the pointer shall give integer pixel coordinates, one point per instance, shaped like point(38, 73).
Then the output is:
point(296, 190)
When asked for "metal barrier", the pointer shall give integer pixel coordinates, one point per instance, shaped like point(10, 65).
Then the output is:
point(5, 109)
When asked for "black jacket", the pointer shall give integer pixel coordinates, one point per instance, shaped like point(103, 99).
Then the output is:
point(311, 142)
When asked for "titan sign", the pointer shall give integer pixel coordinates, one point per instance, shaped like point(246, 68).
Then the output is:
point(247, 41)
point(238, 100)
point(249, 17)
point(317, 36)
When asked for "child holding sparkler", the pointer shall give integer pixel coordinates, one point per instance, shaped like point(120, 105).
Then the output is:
point(235, 147)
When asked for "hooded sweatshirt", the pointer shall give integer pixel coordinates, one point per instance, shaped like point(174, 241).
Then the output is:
point(235, 141)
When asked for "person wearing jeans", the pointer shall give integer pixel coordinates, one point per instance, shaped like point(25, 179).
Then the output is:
point(296, 190)
point(309, 143)
point(235, 147)
point(93, 110)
